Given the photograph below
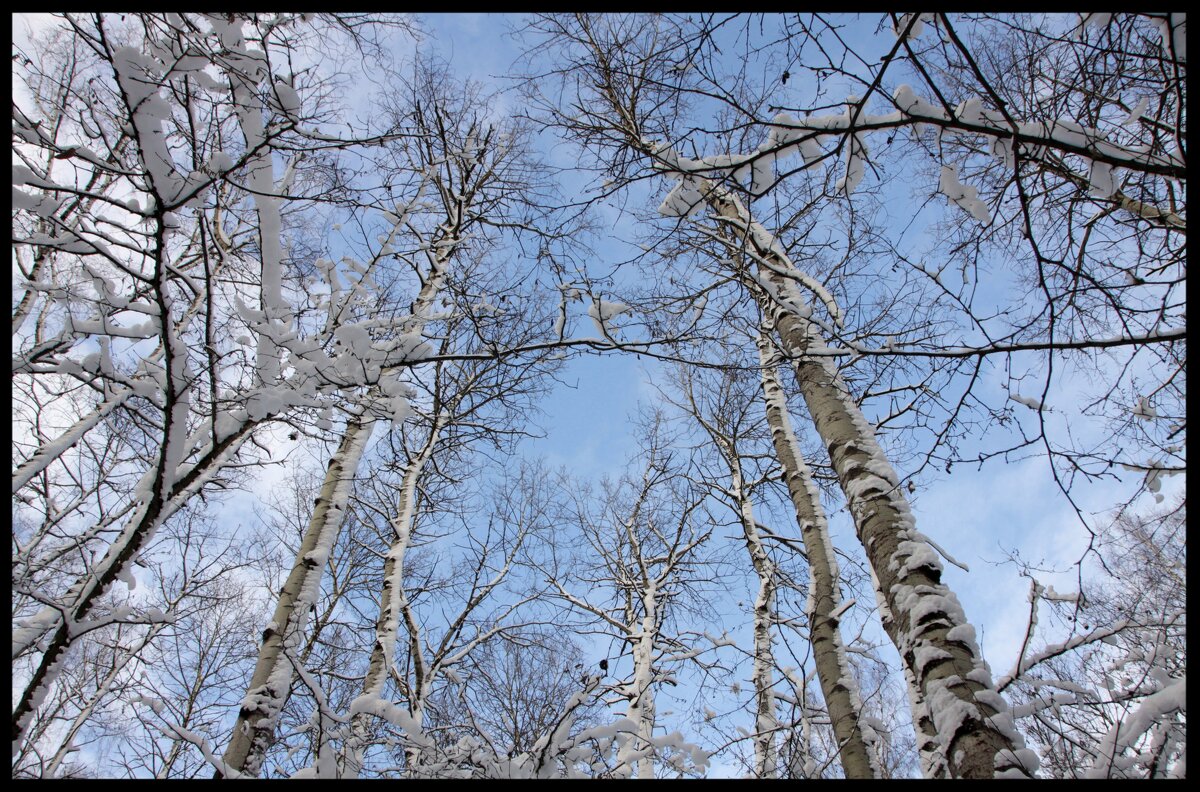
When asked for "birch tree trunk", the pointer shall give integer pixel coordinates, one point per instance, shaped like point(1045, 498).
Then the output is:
point(975, 731)
point(766, 724)
point(640, 691)
point(272, 680)
point(837, 679)
point(766, 754)
point(392, 603)
point(933, 763)
point(928, 625)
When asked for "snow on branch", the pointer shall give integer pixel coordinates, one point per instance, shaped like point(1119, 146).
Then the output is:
point(1125, 733)
point(1054, 650)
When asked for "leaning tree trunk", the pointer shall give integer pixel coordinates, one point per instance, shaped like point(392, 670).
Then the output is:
point(833, 669)
point(933, 763)
point(928, 625)
point(273, 673)
point(975, 731)
point(392, 605)
point(165, 488)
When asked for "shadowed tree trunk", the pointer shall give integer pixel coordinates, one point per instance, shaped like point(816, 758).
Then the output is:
point(975, 733)
point(837, 679)
point(273, 673)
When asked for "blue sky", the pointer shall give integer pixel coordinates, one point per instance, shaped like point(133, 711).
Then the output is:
point(975, 515)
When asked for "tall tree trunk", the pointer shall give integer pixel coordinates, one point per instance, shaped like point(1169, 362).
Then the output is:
point(273, 674)
point(928, 626)
point(765, 723)
point(833, 670)
point(272, 678)
point(933, 762)
point(640, 691)
point(392, 603)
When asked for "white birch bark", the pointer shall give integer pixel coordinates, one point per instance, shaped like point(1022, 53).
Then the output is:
point(833, 669)
point(448, 652)
point(936, 642)
point(639, 753)
point(929, 627)
point(766, 724)
point(393, 604)
point(273, 672)
point(931, 758)
point(250, 739)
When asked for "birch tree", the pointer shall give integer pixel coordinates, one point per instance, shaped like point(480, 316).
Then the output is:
point(158, 248)
point(730, 411)
point(436, 606)
point(725, 431)
point(642, 541)
point(474, 170)
point(967, 730)
point(874, 249)
point(837, 680)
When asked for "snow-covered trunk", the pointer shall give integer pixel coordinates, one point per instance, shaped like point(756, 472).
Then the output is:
point(391, 597)
point(766, 724)
point(146, 515)
point(803, 764)
point(936, 642)
point(392, 600)
point(833, 669)
point(415, 746)
point(639, 753)
point(933, 762)
point(29, 297)
point(273, 672)
point(929, 627)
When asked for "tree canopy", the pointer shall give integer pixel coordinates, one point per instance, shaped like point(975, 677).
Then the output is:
point(293, 295)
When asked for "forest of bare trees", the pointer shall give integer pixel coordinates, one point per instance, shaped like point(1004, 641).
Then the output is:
point(293, 294)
